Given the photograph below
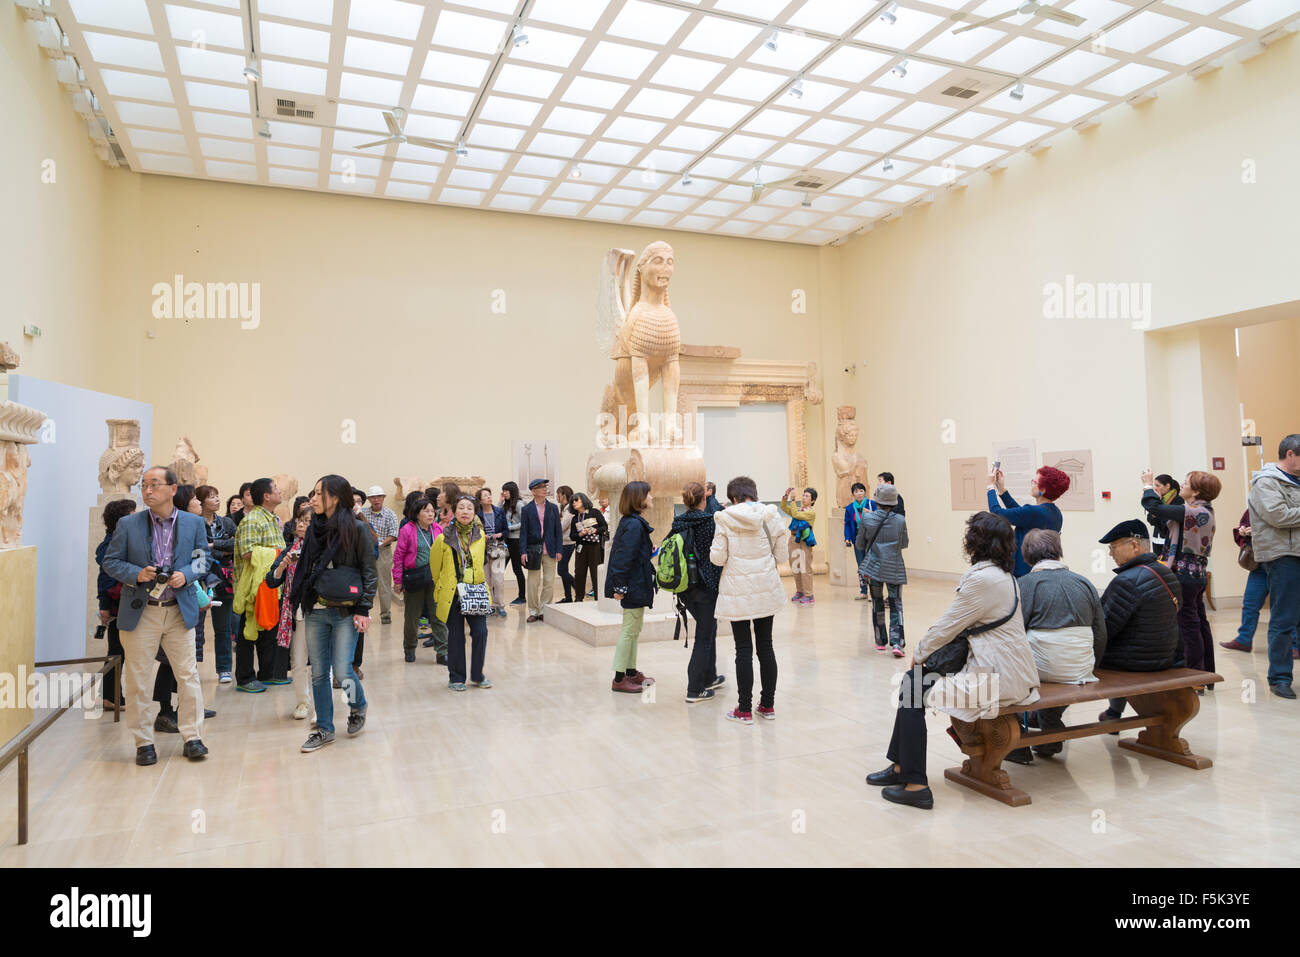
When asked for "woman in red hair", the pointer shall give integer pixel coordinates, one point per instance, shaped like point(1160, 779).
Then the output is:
point(1048, 485)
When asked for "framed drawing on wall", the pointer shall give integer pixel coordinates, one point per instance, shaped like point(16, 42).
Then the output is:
point(531, 459)
point(1077, 464)
point(968, 479)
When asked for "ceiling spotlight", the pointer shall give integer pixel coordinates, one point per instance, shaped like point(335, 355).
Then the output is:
point(461, 149)
point(265, 131)
point(796, 88)
point(520, 38)
point(576, 171)
point(888, 14)
point(251, 72)
point(888, 164)
point(1019, 92)
point(770, 43)
point(900, 68)
point(807, 201)
point(686, 178)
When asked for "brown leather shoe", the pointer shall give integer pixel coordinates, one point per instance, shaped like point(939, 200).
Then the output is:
point(626, 685)
point(532, 618)
point(640, 677)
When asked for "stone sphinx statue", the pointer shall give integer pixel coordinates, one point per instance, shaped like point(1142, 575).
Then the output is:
point(849, 466)
point(122, 463)
point(644, 339)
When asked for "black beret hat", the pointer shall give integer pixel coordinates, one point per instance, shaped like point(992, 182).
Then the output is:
point(1130, 529)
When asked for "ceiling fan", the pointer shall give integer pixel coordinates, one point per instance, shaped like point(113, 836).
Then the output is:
point(1029, 6)
point(395, 119)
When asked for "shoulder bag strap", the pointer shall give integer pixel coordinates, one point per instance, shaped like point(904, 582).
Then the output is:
point(1160, 578)
point(867, 550)
point(980, 629)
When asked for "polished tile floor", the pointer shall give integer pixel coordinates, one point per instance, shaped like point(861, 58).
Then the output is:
point(549, 768)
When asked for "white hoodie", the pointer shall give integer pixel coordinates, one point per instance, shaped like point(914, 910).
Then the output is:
point(750, 540)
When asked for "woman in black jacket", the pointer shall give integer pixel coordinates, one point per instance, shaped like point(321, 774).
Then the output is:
point(334, 585)
point(109, 591)
point(589, 530)
point(696, 528)
point(630, 579)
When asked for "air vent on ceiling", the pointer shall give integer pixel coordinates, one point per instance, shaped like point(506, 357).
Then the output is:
point(808, 180)
point(965, 85)
point(294, 108)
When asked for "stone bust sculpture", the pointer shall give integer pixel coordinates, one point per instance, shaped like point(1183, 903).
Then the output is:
point(849, 466)
point(122, 463)
point(647, 340)
point(185, 462)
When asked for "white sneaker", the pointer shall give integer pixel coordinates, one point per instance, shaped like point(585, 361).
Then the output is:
point(300, 712)
point(223, 678)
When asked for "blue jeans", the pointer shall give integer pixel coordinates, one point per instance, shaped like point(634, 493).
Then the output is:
point(1251, 602)
point(332, 641)
point(858, 556)
point(1284, 614)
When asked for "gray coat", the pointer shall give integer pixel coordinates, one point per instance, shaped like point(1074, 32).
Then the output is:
point(884, 561)
point(1052, 596)
point(1274, 502)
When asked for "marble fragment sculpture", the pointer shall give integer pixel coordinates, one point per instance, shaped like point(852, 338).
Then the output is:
point(122, 463)
point(849, 466)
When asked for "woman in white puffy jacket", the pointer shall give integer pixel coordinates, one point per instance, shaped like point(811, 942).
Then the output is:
point(749, 542)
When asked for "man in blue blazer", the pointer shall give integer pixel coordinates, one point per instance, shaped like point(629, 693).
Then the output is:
point(539, 533)
point(157, 608)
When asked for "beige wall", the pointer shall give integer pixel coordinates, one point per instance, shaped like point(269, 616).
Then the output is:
point(1269, 383)
point(946, 305)
point(51, 233)
point(381, 312)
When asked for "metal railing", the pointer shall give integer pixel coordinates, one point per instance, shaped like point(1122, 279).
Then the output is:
point(18, 747)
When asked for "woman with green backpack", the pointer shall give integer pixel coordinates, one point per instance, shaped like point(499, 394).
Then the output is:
point(695, 526)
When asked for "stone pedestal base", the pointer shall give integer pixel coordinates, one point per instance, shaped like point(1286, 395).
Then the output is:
point(17, 637)
point(599, 626)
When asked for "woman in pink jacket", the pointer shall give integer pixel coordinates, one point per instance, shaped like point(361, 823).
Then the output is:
point(411, 577)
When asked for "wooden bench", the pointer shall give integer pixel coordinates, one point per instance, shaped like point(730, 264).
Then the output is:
point(1164, 701)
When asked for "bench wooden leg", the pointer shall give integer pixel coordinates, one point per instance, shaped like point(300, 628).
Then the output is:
point(1176, 708)
point(986, 743)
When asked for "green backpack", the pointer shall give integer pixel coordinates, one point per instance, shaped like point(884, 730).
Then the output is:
point(677, 570)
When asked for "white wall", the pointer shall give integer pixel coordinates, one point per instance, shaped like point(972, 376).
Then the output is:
point(746, 440)
point(62, 487)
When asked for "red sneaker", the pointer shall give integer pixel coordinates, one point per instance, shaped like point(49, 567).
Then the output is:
point(744, 717)
point(768, 713)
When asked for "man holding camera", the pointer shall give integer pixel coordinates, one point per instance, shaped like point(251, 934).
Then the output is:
point(157, 555)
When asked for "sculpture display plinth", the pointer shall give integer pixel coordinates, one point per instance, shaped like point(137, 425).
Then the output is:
point(17, 637)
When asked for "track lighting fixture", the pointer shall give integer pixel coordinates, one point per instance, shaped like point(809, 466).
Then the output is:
point(796, 88)
point(900, 68)
point(1018, 93)
point(519, 37)
point(251, 71)
point(807, 201)
point(461, 149)
point(772, 35)
point(265, 131)
point(887, 165)
point(888, 14)
point(686, 178)
point(576, 171)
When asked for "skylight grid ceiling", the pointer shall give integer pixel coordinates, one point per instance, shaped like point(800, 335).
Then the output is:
point(649, 112)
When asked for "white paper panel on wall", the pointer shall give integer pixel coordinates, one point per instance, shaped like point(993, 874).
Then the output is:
point(746, 440)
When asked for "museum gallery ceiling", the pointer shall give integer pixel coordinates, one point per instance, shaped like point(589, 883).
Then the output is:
point(646, 112)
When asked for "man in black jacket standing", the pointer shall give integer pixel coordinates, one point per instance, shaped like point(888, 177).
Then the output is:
point(1141, 607)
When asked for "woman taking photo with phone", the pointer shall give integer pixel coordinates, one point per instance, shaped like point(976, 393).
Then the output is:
point(335, 586)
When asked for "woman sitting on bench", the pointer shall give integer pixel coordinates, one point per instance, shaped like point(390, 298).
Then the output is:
point(999, 669)
point(1065, 625)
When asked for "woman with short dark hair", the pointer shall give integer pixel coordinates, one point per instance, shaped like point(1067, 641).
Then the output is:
point(513, 506)
point(630, 579)
point(696, 526)
point(109, 591)
point(986, 613)
point(564, 498)
point(589, 532)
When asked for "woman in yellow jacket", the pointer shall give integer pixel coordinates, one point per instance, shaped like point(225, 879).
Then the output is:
point(458, 556)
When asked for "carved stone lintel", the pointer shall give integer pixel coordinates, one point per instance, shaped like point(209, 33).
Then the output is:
point(468, 484)
point(20, 423)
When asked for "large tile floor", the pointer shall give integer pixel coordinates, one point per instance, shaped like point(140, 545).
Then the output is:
point(551, 768)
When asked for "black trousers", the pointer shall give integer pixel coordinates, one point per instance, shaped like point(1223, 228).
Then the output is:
point(164, 683)
point(566, 577)
point(265, 647)
point(114, 678)
point(745, 647)
point(456, 624)
point(512, 546)
point(907, 743)
point(587, 559)
point(702, 669)
point(361, 648)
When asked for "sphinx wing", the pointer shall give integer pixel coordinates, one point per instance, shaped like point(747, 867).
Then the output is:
point(611, 296)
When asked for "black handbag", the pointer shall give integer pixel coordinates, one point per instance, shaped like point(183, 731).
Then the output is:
point(416, 578)
point(951, 658)
point(339, 586)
